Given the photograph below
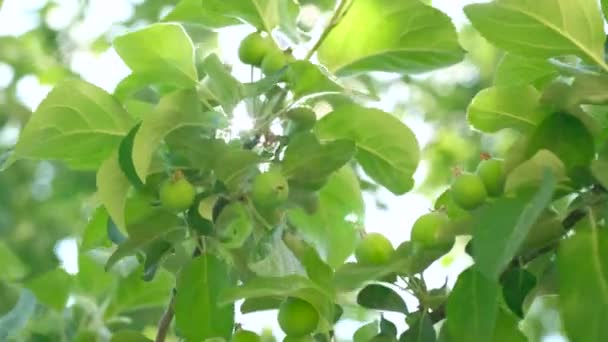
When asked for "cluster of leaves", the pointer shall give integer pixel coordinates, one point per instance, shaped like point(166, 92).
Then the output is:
point(197, 217)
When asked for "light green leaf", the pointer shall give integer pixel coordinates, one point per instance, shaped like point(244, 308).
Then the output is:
point(517, 70)
point(77, 123)
point(407, 37)
point(333, 229)
point(542, 28)
point(133, 293)
point(162, 52)
point(599, 169)
point(234, 225)
point(175, 110)
point(129, 336)
point(496, 241)
point(95, 233)
point(306, 79)
point(366, 332)
point(531, 172)
point(12, 267)
point(506, 329)
point(112, 188)
point(198, 313)
point(307, 160)
point(583, 285)
point(263, 14)
point(472, 307)
point(220, 84)
point(17, 319)
point(496, 108)
point(272, 258)
point(589, 89)
point(199, 12)
point(387, 149)
point(420, 328)
point(52, 288)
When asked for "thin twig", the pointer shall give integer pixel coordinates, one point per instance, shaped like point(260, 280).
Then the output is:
point(335, 19)
point(165, 320)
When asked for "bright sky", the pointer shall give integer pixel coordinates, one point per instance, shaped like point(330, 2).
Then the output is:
point(106, 70)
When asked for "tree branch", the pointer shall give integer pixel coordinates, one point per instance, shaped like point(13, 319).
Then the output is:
point(335, 19)
point(165, 320)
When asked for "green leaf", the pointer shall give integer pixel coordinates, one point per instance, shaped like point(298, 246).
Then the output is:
point(380, 297)
point(366, 332)
point(12, 266)
point(599, 168)
point(472, 307)
point(52, 288)
point(168, 60)
point(112, 188)
point(92, 279)
point(333, 229)
point(496, 242)
point(176, 110)
point(420, 328)
point(517, 283)
point(317, 270)
point(305, 78)
point(133, 293)
point(129, 336)
point(386, 148)
point(496, 108)
point(582, 262)
point(589, 89)
point(77, 123)
point(543, 28)
point(408, 37)
point(567, 137)
point(530, 173)
point(198, 313)
point(95, 232)
point(516, 70)
point(271, 257)
point(125, 158)
point(220, 84)
point(17, 319)
point(307, 160)
point(263, 14)
point(507, 329)
point(234, 225)
point(605, 8)
point(198, 12)
point(271, 286)
point(260, 304)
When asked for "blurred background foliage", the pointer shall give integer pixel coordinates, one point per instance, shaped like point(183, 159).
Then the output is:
point(45, 207)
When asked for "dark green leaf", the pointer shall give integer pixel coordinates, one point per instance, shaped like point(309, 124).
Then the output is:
point(307, 160)
point(472, 307)
point(387, 328)
point(198, 313)
point(517, 283)
point(420, 328)
point(260, 304)
point(583, 285)
point(380, 297)
point(387, 149)
point(414, 38)
point(125, 158)
point(496, 242)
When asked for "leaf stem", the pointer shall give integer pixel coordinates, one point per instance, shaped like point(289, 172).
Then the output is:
point(335, 19)
point(165, 320)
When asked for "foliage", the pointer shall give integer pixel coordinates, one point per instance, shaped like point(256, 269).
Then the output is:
point(192, 219)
